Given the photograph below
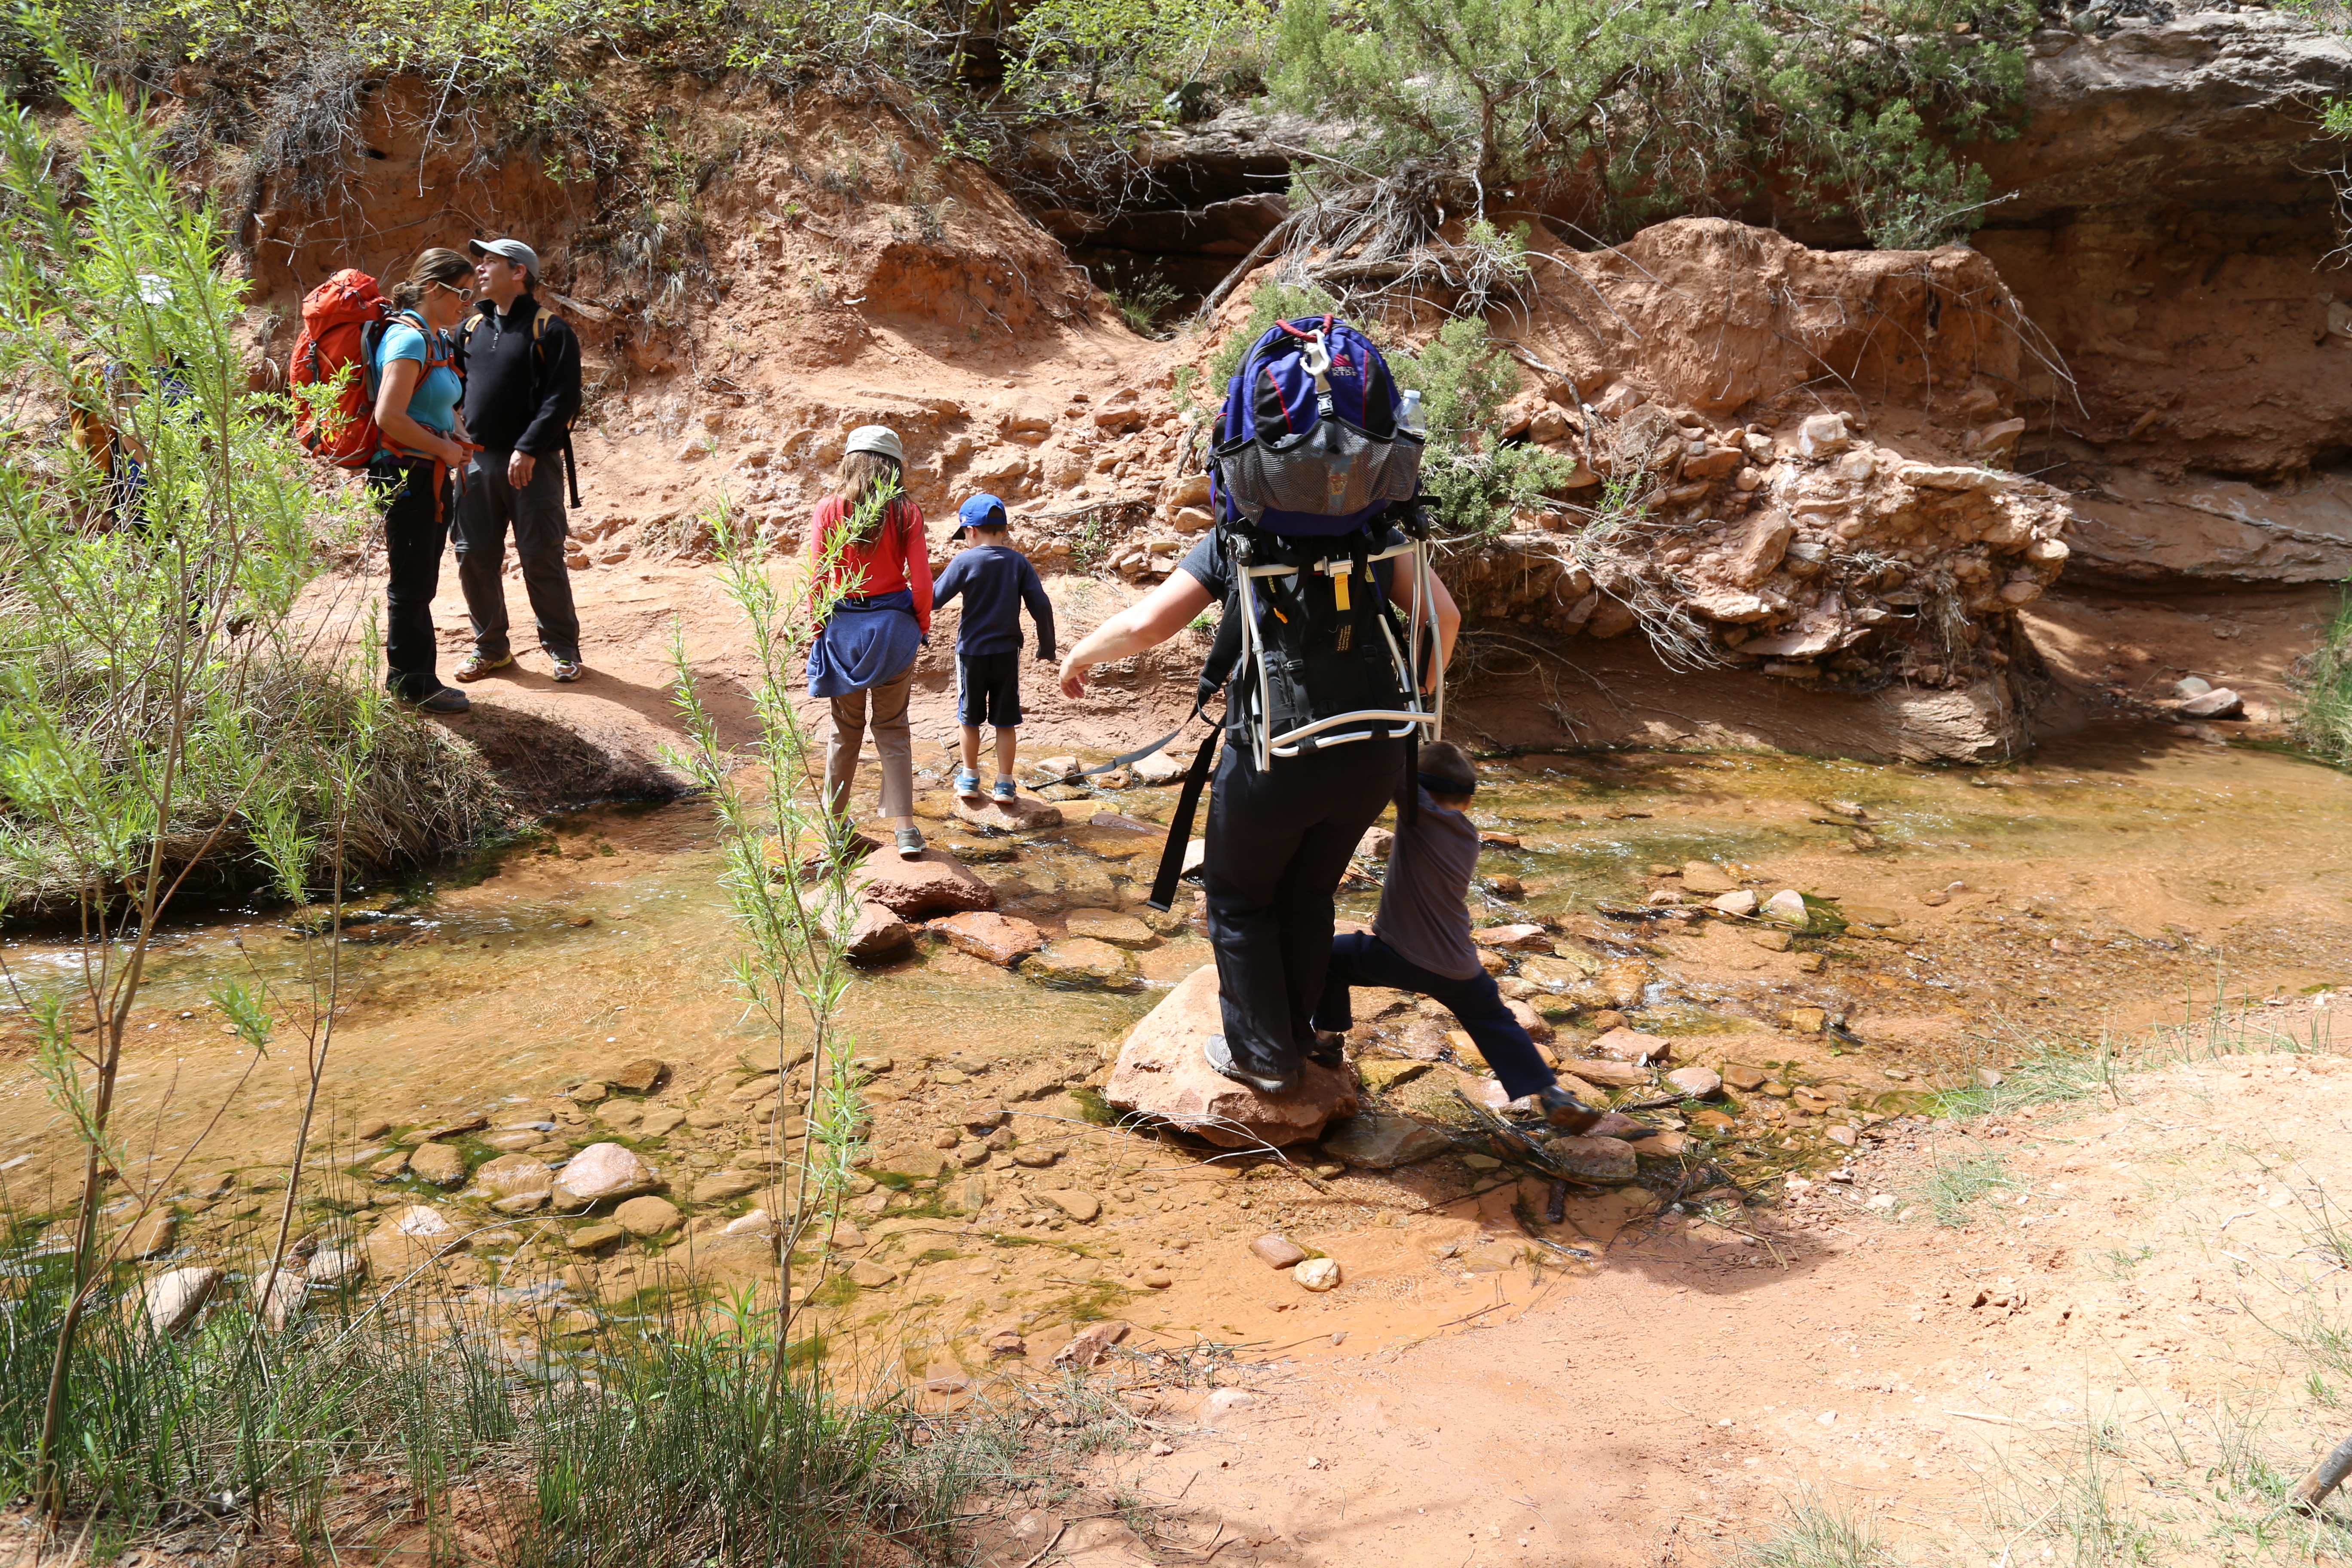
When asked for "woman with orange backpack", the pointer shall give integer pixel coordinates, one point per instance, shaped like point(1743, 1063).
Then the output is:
point(413, 366)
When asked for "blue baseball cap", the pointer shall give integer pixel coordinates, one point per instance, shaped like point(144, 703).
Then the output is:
point(979, 511)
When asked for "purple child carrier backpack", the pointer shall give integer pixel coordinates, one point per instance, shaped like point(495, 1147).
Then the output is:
point(1307, 444)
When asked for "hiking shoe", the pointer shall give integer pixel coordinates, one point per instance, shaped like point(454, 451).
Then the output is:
point(1326, 1051)
point(565, 670)
point(1565, 1112)
point(910, 843)
point(967, 784)
point(1004, 793)
point(1220, 1057)
point(448, 700)
point(475, 665)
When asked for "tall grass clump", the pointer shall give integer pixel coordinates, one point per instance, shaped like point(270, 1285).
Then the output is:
point(2323, 685)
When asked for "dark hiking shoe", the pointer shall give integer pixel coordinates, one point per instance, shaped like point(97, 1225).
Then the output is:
point(1567, 1113)
point(1220, 1057)
point(448, 700)
point(1327, 1051)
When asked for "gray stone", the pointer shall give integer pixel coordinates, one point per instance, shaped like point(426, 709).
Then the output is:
point(1084, 1207)
point(2218, 703)
point(173, 1299)
point(1788, 906)
point(603, 1171)
point(335, 1265)
point(2194, 686)
point(1382, 1143)
point(1162, 1072)
point(1737, 904)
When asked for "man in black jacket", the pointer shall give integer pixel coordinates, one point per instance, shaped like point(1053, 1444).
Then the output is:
point(522, 388)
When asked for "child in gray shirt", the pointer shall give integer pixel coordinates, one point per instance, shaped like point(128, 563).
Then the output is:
point(1419, 941)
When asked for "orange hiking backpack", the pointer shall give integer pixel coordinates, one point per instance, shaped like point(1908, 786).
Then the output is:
point(337, 318)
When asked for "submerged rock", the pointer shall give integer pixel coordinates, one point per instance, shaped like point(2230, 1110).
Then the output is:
point(437, 1163)
point(511, 1175)
point(1000, 940)
point(1162, 1073)
point(1695, 1083)
point(1110, 926)
point(1082, 961)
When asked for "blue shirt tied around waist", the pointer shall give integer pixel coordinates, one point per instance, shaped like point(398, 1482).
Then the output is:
point(864, 643)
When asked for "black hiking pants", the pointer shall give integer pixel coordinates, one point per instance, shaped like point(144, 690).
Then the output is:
point(1278, 843)
point(415, 532)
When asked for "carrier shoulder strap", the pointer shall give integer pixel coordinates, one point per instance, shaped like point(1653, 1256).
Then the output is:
point(1180, 830)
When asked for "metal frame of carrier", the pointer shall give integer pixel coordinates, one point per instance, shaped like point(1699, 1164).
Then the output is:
point(1422, 636)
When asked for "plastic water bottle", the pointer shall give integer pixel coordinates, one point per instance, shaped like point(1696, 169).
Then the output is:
point(1410, 419)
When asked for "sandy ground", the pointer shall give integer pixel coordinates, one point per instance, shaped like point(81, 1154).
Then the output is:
point(2120, 1338)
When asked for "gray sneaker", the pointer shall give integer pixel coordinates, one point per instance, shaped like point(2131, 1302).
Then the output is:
point(1220, 1057)
point(910, 843)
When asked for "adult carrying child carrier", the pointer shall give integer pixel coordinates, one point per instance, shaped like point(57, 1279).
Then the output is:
point(1315, 469)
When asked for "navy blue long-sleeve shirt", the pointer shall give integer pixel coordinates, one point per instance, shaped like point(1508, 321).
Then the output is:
point(995, 581)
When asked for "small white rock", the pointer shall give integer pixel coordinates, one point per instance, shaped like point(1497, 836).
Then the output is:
point(1788, 905)
point(1739, 902)
point(1317, 1274)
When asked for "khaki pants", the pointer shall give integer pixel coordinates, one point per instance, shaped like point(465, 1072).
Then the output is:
point(890, 739)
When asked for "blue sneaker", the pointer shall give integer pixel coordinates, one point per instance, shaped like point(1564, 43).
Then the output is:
point(967, 784)
point(1005, 793)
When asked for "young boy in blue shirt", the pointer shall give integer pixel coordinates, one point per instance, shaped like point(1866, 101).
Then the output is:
point(1419, 941)
point(995, 580)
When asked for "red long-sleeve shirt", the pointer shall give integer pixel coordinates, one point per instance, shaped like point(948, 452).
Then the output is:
point(897, 556)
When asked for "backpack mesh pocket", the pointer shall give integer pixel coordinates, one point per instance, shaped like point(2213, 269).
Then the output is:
point(1332, 470)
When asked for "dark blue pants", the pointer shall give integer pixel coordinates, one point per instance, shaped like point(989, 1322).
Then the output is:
point(1278, 843)
point(1362, 959)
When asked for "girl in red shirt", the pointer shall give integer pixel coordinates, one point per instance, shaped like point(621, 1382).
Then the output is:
point(862, 658)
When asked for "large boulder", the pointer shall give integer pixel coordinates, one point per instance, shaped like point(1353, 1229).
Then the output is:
point(935, 883)
point(1162, 1073)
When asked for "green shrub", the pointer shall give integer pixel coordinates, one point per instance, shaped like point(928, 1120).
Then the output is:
point(2323, 685)
point(1642, 110)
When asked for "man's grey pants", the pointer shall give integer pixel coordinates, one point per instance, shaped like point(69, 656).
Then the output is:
point(487, 508)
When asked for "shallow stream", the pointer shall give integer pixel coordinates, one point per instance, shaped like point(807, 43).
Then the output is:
point(2105, 884)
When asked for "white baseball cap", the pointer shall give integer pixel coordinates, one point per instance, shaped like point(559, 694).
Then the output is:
point(513, 250)
point(878, 438)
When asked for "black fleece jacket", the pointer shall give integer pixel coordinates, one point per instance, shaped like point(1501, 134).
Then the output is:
point(520, 394)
